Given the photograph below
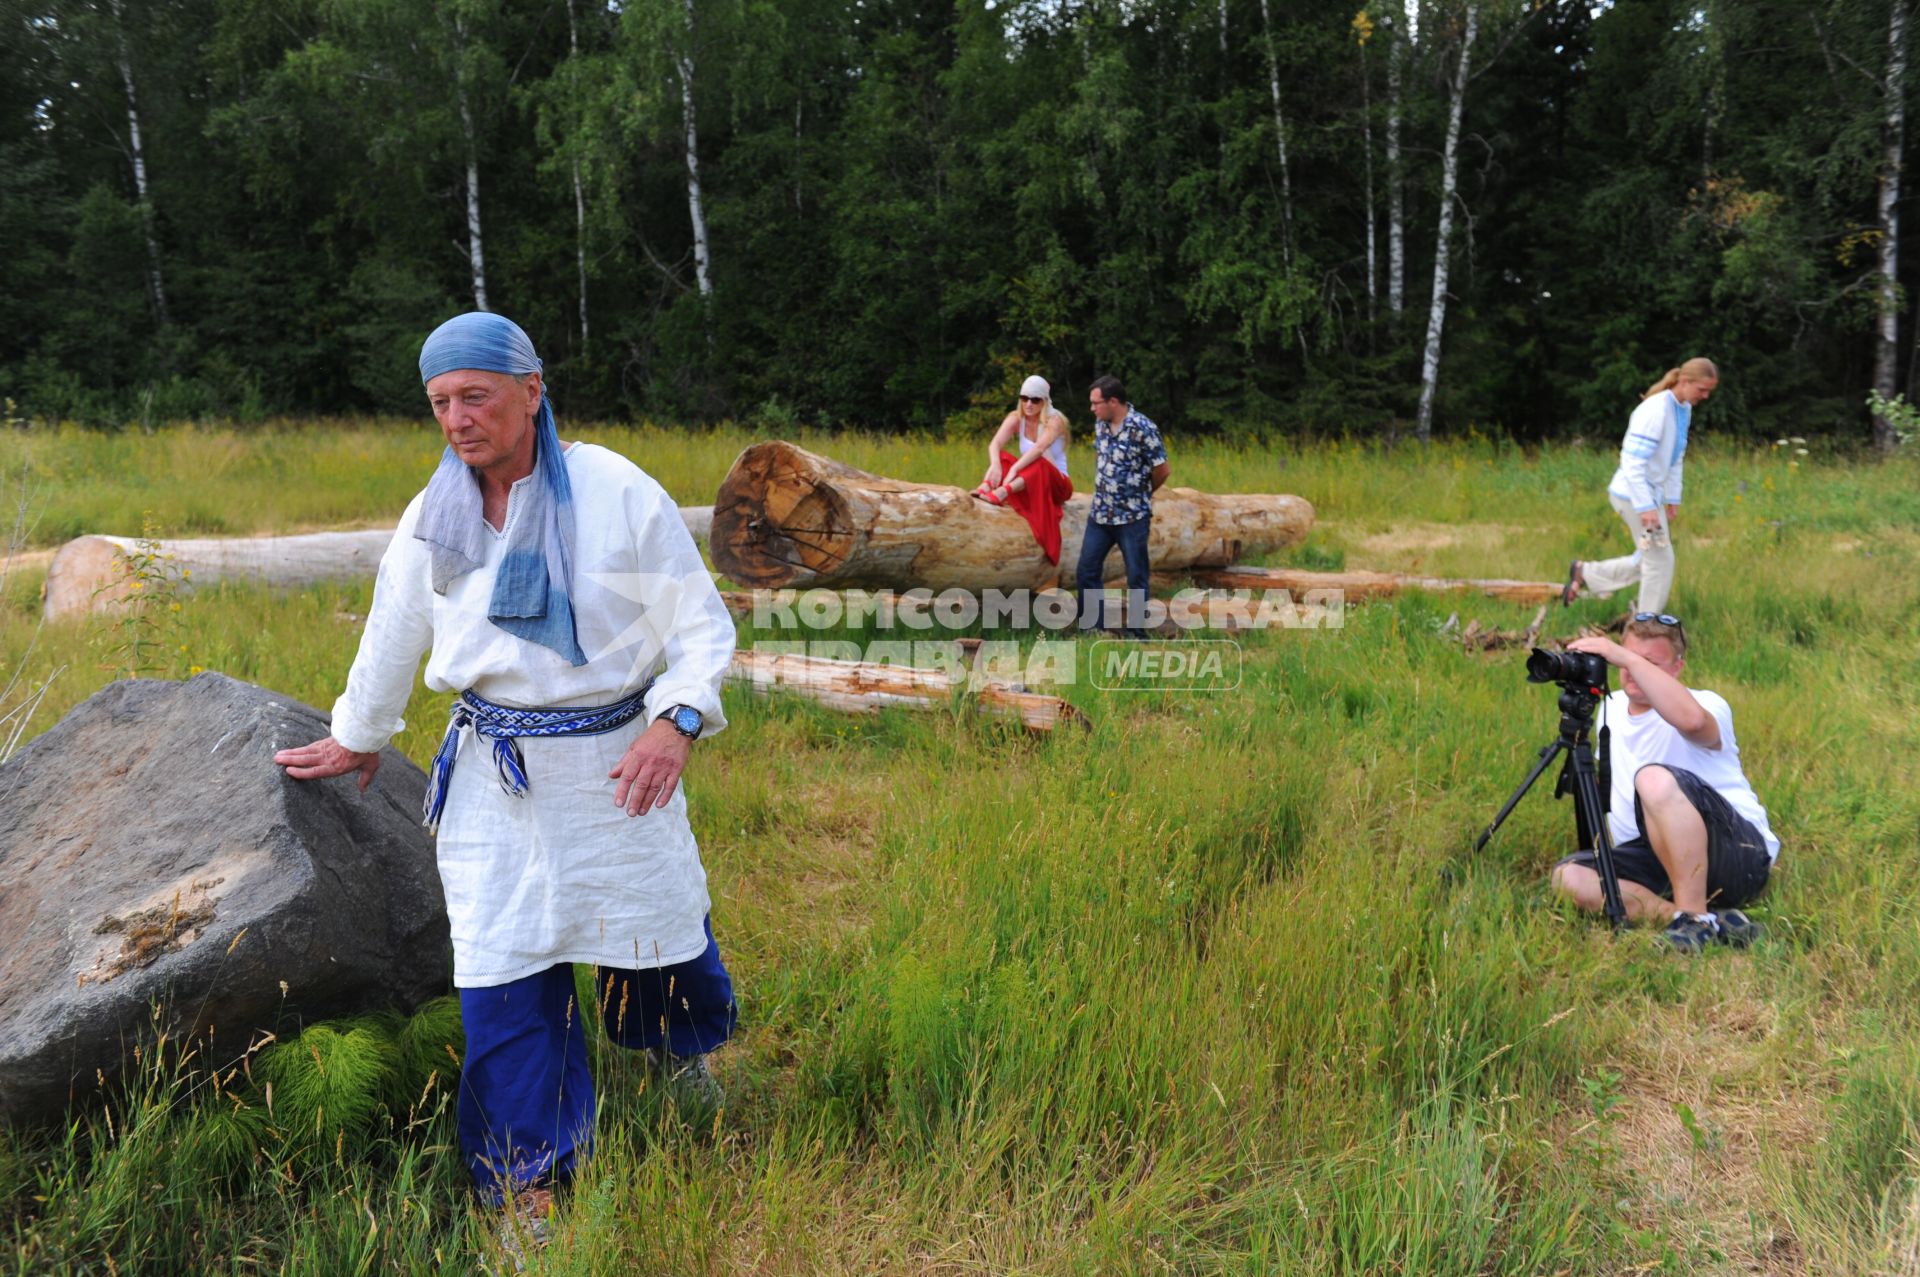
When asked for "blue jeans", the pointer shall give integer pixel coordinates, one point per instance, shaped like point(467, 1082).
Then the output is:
point(1094, 547)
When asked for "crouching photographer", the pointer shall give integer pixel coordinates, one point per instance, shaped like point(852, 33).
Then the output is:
point(1691, 841)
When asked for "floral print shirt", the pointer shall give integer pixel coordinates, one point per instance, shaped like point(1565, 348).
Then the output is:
point(1124, 458)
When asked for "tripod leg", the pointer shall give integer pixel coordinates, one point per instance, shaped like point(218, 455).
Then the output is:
point(1586, 793)
point(1547, 755)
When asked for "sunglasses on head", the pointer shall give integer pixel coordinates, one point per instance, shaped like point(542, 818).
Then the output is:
point(1662, 617)
point(1032, 399)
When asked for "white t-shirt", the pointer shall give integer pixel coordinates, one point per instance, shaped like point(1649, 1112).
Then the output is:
point(1640, 739)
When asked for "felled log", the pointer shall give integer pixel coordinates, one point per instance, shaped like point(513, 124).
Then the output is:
point(863, 687)
point(92, 571)
point(1360, 586)
point(788, 517)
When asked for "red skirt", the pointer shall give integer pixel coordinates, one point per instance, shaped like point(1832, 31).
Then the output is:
point(1041, 502)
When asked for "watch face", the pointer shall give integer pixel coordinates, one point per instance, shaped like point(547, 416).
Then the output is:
point(687, 720)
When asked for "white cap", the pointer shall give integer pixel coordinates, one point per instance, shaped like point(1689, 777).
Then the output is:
point(1036, 387)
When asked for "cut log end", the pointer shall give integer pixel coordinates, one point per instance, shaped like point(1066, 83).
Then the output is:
point(775, 522)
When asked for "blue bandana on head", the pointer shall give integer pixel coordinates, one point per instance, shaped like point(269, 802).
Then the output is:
point(530, 591)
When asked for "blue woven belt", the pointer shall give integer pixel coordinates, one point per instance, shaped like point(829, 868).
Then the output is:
point(501, 724)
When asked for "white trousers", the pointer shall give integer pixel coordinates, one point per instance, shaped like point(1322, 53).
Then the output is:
point(1651, 563)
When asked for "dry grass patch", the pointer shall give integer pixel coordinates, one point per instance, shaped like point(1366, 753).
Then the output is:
point(1711, 1108)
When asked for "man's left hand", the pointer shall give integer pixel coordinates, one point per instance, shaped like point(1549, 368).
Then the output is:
point(1601, 646)
point(1673, 512)
point(650, 769)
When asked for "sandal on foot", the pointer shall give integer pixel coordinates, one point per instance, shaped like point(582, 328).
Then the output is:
point(1571, 589)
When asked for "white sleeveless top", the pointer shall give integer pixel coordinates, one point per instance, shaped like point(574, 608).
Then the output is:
point(1057, 453)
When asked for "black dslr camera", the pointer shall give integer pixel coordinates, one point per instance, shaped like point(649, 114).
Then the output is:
point(1581, 671)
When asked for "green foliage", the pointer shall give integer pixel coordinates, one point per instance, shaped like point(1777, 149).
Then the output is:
point(910, 209)
point(1901, 416)
point(144, 604)
point(429, 1046)
point(332, 1079)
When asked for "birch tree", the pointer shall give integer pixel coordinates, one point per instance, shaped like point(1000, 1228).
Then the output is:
point(1886, 349)
point(683, 64)
point(137, 155)
point(1363, 31)
point(1279, 140)
point(1396, 19)
point(476, 242)
point(1443, 235)
point(579, 190)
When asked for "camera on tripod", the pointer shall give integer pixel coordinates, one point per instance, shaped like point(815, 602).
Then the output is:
point(1582, 670)
point(1582, 677)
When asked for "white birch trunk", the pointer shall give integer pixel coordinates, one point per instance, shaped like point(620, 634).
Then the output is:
point(476, 249)
point(1226, 76)
point(137, 152)
point(579, 197)
point(1443, 237)
point(1280, 141)
point(1366, 139)
point(702, 271)
point(580, 247)
point(1396, 188)
point(1886, 351)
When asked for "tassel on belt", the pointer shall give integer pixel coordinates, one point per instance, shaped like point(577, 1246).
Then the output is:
point(501, 724)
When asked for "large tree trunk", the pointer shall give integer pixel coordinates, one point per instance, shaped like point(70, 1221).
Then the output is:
point(156, 286)
point(1886, 355)
point(864, 687)
point(91, 572)
point(1396, 187)
point(1280, 141)
point(785, 516)
point(1443, 238)
point(702, 270)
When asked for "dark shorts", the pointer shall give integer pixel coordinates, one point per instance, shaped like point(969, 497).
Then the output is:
point(1737, 860)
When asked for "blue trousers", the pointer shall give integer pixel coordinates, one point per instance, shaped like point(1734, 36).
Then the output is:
point(526, 1092)
point(1098, 542)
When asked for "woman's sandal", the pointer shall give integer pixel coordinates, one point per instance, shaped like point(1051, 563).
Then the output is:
point(1571, 589)
point(985, 493)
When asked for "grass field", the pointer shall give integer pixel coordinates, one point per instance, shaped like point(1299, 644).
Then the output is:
point(1215, 987)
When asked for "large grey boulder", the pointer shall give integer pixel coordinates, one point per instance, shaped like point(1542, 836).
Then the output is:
point(151, 853)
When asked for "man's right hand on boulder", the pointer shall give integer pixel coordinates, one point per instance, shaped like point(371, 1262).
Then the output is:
point(327, 757)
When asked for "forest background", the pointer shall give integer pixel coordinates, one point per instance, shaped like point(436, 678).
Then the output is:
point(881, 214)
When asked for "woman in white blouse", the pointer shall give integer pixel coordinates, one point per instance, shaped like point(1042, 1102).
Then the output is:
point(1645, 489)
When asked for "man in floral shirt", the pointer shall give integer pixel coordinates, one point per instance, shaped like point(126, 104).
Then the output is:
point(1130, 464)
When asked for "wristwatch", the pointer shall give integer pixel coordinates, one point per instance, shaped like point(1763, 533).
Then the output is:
point(685, 719)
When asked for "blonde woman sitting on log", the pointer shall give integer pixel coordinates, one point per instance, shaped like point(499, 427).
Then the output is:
point(1033, 481)
point(1645, 490)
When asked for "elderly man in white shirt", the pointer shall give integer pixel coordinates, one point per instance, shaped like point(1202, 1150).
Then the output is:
point(560, 595)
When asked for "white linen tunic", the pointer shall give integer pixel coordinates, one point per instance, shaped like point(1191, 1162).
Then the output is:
point(560, 874)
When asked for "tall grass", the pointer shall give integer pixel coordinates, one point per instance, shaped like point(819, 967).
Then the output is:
point(1216, 986)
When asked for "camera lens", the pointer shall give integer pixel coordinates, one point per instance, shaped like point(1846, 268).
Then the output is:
point(1546, 667)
